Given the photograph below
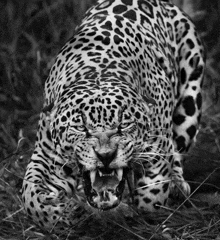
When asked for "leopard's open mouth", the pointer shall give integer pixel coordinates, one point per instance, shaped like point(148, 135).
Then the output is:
point(104, 187)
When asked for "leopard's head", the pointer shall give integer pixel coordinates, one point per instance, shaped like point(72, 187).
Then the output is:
point(100, 131)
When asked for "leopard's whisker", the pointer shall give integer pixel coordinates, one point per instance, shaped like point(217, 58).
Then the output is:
point(153, 184)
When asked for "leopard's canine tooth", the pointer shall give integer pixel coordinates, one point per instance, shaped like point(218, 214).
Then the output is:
point(119, 172)
point(92, 175)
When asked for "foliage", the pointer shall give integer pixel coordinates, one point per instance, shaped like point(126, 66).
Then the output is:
point(31, 34)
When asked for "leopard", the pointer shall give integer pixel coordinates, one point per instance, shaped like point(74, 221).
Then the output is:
point(122, 106)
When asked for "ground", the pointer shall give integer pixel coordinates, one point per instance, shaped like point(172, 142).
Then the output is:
point(31, 34)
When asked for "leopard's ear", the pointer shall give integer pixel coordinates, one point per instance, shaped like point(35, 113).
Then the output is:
point(164, 62)
point(148, 103)
point(48, 115)
point(48, 108)
point(149, 100)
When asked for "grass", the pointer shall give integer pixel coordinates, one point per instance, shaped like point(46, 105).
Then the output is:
point(31, 34)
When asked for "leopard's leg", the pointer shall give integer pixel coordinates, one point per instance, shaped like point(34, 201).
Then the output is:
point(153, 186)
point(153, 175)
point(48, 186)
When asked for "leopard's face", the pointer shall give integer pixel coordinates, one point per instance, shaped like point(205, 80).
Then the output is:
point(101, 133)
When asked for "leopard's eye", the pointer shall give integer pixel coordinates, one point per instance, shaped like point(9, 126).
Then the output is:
point(125, 125)
point(80, 128)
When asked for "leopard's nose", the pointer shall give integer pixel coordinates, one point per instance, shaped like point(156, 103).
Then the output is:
point(106, 157)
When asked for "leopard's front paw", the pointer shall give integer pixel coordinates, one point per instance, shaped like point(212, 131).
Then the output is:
point(179, 188)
